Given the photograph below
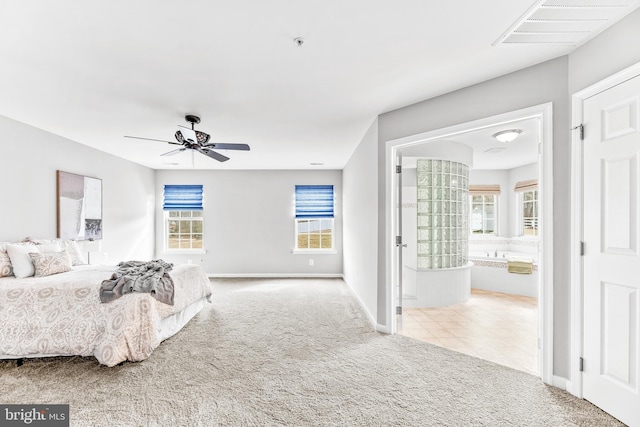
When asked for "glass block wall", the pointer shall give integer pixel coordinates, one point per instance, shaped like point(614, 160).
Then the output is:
point(443, 228)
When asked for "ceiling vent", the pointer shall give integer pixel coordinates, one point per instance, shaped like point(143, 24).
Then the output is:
point(566, 22)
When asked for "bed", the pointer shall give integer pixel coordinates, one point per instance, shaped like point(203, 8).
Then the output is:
point(62, 315)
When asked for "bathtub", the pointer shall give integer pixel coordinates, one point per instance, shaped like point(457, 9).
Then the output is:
point(489, 272)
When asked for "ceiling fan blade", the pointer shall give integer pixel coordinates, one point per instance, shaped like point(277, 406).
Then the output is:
point(227, 146)
point(217, 156)
point(150, 139)
point(172, 152)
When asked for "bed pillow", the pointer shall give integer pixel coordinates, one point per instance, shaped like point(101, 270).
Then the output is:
point(5, 264)
point(46, 264)
point(20, 259)
point(71, 246)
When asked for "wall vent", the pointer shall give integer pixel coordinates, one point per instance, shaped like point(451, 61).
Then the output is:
point(565, 22)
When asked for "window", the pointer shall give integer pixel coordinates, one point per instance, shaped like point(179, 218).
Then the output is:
point(530, 213)
point(183, 217)
point(528, 207)
point(483, 214)
point(314, 217)
point(483, 200)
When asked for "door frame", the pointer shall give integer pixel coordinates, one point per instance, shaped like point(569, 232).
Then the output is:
point(545, 302)
point(574, 384)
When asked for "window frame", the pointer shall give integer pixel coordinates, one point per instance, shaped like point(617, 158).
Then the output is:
point(494, 232)
point(191, 219)
point(321, 249)
point(535, 202)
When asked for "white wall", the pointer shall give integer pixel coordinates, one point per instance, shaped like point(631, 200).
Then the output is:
point(612, 51)
point(360, 222)
point(249, 221)
point(29, 158)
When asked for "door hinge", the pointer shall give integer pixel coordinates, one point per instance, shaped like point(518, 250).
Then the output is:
point(581, 127)
point(581, 364)
point(398, 240)
point(398, 168)
point(399, 311)
point(581, 248)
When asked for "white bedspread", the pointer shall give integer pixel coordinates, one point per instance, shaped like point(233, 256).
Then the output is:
point(62, 315)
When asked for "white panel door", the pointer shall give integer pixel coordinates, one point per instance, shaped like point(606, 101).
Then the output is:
point(612, 262)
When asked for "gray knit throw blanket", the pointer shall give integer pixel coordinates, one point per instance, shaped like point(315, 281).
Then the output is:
point(140, 276)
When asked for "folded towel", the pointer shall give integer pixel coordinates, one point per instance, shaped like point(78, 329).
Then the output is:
point(520, 265)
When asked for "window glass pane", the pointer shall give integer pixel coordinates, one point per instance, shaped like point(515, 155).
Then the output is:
point(314, 240)
point(326, 241)
point(326, 226)
point(528, 195)
point(196, 214)
point(303, 226)
point(185, 214)
point(476, 199)
point(185, 242)
point(197, 226)
point(303, 241)
point(488, 199)
point(173, 226)
point(314, 226)
point(185, 227)
point(197, 241)
point(173, 242)
point(174, 214)
point(488, 210)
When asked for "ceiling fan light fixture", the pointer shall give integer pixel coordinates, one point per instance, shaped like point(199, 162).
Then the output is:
point(507, 135)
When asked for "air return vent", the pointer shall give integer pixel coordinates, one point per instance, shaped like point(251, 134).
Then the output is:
point(566, 22)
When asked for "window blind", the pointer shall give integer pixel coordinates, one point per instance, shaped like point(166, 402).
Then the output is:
point(182, 198)
point(529, 185)
point(314, 201)
point(482, 190)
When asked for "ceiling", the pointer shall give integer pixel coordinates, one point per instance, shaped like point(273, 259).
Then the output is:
point(489, 153)
point(95, 71)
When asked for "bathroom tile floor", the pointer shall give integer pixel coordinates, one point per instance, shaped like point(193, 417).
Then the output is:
point(494, 326)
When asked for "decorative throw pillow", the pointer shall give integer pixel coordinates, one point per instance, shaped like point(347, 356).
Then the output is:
point(20, 259)
point(6, 269)
point(46, 264)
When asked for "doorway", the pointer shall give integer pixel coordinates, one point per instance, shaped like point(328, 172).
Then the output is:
point(398, 148)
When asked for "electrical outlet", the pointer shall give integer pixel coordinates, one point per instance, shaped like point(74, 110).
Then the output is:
point(310, 262)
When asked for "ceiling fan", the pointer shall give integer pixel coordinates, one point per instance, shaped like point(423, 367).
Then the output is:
point(193, 139)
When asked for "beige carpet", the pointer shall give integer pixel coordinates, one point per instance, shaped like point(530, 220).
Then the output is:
point(295, 353)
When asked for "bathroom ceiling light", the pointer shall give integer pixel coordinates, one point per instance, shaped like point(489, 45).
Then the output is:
point(507, 135)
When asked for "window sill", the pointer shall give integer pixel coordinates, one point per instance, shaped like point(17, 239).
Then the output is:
point(314, 251)
point(184, 252)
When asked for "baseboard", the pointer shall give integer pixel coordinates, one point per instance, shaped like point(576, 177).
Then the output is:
point(274, 275)
point(370, 317)
point(561, 383)
point(385, 329)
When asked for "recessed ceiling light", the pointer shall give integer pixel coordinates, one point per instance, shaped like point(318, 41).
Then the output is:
point(507, 135)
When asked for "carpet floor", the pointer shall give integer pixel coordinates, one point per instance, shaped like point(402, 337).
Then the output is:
point(283, 352)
